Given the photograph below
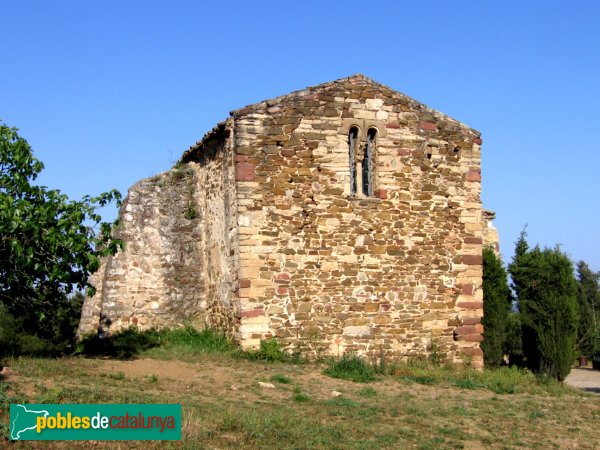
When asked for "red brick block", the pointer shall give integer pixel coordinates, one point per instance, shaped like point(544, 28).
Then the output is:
point(253, 313)
point(282, 276)
point(244, 171)
point(470, 337)
point(381, 193)
point(471, 320)
point(467, 289)
point(466, 329)
point(470, 305)
point(473, 175)
point(472, 351)
point(473, 240)
point(245, 283)
point(288, 152)
point(472, 260)
point(428, 126)
point(240, 158)
point(477, 141)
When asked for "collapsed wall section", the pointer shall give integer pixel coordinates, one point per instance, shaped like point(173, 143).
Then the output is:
point(178, 265)
point(326, 270)
point(154, 281)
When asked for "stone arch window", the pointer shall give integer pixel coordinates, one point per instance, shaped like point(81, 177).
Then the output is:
point(361, 162)
point(362, 154)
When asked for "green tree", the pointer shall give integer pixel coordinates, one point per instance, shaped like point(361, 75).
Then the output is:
point(513, 345)
point(588, 299)
point(496, 309)
point(49, 245)
point(547, 299)
point(527, 353)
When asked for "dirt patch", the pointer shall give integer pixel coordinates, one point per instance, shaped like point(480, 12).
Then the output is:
point(175, 370)
point(234, 381)
point(584, 378)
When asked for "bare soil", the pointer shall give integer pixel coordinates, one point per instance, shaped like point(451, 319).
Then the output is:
point(584, 378)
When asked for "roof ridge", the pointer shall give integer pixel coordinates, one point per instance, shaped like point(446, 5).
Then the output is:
point(353, 79)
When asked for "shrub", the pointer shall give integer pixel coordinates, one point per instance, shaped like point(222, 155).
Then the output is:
point(15, 340)
point(353, 368)
point(123, 344)
point(203, 341)
point(270, 351)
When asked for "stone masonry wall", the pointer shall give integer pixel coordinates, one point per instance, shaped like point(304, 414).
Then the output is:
point(150, 283)
point(178, 266)
point(392, 275)
point(217, 203)
point(256, 231)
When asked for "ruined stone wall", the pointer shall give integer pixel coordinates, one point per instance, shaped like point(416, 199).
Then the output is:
point(490, 233)
point(179, 262)
point(326, 271)
point(217, 203)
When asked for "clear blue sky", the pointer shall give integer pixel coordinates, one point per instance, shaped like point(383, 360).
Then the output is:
point(111, 92)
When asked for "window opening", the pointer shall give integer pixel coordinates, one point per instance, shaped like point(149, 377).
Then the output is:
point(352, 141)
point(367, 164)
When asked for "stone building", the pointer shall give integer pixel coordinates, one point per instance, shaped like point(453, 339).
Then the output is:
point(343, 217)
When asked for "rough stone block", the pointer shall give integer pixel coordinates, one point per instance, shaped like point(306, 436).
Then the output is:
point(244, 171)
point(357, 331)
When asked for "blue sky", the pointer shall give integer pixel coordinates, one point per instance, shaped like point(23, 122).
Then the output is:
point(111, 92)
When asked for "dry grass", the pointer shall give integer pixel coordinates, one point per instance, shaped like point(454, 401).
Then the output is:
point(224, 407)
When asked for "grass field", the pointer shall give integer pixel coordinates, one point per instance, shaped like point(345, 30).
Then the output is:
point(411, 406)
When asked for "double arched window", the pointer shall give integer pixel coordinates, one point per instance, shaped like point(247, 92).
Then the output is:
point(361, 156)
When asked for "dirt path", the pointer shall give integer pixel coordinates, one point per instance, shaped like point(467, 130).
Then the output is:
point(584, 378)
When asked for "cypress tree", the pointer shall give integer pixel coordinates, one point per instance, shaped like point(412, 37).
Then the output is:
point(496, 309)
point(547, 299)
point(513, 346)
point(588, 299)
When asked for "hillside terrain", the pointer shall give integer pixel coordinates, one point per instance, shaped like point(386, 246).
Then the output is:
point(224, 406)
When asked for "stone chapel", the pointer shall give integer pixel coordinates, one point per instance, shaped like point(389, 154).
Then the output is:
point(345, 217)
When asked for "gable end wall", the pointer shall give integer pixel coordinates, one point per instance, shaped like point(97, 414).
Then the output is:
point(326, 272)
